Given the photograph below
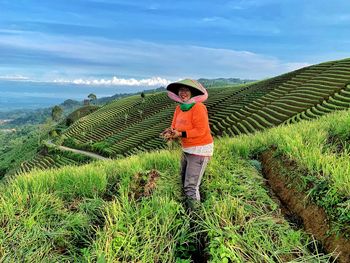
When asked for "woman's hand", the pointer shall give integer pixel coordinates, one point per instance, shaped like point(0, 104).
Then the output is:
point(176, 134)
point(167, 134)
point(170, 133)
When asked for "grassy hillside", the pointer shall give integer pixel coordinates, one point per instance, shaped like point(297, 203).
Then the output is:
point(133, 124)
point(131, 209)
point(130, 125)
point(20, 146)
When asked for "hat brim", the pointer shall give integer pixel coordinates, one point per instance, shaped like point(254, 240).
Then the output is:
point(174, 87)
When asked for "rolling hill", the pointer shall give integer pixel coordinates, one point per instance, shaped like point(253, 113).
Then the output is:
point(270, 194)
point(131, 209)
point(130, 125)
point(134, 124)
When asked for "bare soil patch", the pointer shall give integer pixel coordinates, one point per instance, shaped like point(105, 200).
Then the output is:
point(313, 217)
point(143, 184)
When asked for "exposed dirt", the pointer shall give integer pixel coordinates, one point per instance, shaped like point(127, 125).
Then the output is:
point(143, 184)
point(200, 255)
point(313, 217)
point(112, 190)
point(338, 145)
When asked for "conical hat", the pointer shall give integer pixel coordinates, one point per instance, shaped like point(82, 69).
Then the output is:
point(199, 93)
point(195, 87)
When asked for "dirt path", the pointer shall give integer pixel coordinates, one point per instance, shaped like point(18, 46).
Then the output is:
point(89, 154)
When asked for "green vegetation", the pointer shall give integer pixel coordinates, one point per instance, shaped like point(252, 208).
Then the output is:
point(133, 124)
point(92, 97)
point(56, 113)
point(25, 117)
point(325, 166)
point(220, 82)
point(129, 122)
point(130, 125)
point(79, 113)
point(51, 158)
point(131, 209)
point(38, 116)
point(96, 213)
point(21, 145)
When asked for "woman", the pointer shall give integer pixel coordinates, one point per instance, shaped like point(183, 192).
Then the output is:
point(190, 124)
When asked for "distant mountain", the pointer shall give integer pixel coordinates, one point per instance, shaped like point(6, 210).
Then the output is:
point(223, 81)
point(104, 100)
point(23, 117)
point(36, 116)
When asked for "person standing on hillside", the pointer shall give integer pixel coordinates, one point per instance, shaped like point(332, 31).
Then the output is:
point(191, 124)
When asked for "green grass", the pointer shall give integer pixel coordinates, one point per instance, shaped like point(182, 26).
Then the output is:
point(87, 213)
point(128, 125)
point(242, 223)
point(21, 146)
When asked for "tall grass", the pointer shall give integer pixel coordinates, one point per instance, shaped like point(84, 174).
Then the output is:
point(69, 215)
point(310, 145)
point(88, 214)
point(243, 224)
point(307, 143)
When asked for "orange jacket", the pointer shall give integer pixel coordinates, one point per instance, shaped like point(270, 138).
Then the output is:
point(195, 123)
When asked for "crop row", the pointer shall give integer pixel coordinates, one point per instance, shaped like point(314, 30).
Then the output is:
point(115, 123)
point(43, 162)
point(340, 101)
point(133, 124)
point(102, 115)
point(145, 134)
point(137, 136)
point(53, 158)
point(138, 140)
point(127, 121)
point(311, 87)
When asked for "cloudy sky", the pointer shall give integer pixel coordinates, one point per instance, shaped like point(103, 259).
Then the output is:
point(151, 42)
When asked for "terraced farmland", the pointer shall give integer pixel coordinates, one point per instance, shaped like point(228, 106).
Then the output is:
point(101, 212)
point(133, 124)
point(51, 159)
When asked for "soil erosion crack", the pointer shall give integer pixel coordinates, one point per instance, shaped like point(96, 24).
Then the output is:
point(313, 217)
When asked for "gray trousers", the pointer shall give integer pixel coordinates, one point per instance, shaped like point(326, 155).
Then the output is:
point(192, 170)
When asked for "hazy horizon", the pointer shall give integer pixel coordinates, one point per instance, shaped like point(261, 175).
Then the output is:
point(121, 46)
point(118, 41)
point(32, 95)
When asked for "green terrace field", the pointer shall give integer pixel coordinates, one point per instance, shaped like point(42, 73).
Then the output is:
point(130, 125)
point(131, 209)
point(127, 126)
point(51, 158)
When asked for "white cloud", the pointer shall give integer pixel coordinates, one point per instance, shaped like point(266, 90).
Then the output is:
point(84, 60)
point(151, 82)
point(213, 19)
point(13, 77)
point(246, 4)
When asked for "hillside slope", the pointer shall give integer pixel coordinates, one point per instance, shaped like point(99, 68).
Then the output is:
point(133, 124)
point(131, 209)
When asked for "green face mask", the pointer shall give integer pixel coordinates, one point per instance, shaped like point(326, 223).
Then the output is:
point(186, 107)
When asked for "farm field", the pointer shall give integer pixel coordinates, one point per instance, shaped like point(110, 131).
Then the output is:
point(131, 125)
point(131, 209)
point(174, 131)
point(51, 158)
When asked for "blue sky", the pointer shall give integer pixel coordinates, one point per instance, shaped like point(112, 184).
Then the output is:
point(153, 42)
